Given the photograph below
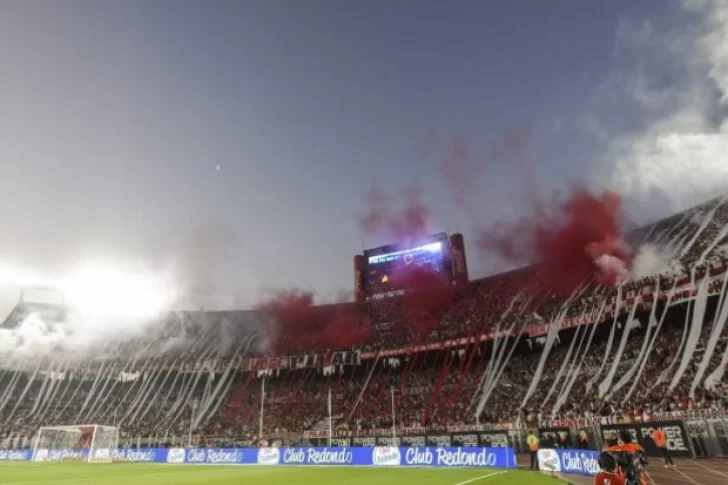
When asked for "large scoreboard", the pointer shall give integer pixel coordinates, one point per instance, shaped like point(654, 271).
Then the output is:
point(379, 270)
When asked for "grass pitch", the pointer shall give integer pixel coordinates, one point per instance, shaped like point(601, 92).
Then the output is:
point(144, 474)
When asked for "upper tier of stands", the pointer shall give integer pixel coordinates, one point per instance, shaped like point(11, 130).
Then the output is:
point(697, 236)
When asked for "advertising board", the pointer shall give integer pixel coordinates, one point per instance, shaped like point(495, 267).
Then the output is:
point(222, 456)
point(15, 455)
point(579, 462)
point(678, 441)
point(381, 456)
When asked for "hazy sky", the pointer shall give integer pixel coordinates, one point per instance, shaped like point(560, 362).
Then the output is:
point(115, 114)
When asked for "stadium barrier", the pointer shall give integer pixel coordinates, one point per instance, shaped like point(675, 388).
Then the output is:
point(578, 462)
point(381, 456)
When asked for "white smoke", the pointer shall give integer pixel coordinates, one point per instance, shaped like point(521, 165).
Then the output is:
point(613, 266)
point(103, 306)
point(34, 337)
point(40, 336)
point(680, 154)
point(653, 259)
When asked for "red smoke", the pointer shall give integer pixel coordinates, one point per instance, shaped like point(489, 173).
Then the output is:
point(347, 329)
point(426, 298)
point(293, 324)
point(463, 166)
point(409, 222)
point(290, 321)
point(575, 240)
point(461, 170)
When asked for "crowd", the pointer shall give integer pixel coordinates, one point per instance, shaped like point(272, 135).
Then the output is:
point(435, 389)
point(440, 391)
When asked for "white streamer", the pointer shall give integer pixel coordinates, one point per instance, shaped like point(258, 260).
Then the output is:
point(90, 394)
point(244, 346)
point(718, 326)
point(56, 384)
point(8, 392)
point(486, 396)
point(24, 393)
point(572, 379)
point(716, 376)
point(668, 370)
point(161, 387)
point(492, 375)
point(703, 225)
point(550, 338)
point(109, 378)
point(610, 341)
point(651, 324)
point(696, 328)
point(606, 384)
point(564, 363)
point(497, 351)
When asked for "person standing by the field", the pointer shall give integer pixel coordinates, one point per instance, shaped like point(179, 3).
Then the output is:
point(583, 440)
point(660, 439)
point(532, 441)
point(562, 440)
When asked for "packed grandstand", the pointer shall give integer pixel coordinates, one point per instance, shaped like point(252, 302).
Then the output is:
point(653, 347)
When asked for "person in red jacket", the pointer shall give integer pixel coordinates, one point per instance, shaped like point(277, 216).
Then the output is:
point(609, 474)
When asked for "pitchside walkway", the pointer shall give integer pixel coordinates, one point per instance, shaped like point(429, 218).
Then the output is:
point(687, 472)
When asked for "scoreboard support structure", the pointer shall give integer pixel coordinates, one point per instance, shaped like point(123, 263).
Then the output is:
point(359, 274)
point(459, 261)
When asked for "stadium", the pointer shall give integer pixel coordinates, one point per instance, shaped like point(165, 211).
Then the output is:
point(432, 243)
point(421, 361)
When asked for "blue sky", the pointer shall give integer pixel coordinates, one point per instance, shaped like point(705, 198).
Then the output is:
point(115, 115)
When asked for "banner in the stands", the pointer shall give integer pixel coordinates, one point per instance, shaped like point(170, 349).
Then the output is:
point(420, 456)
point(579, 462)
point(311, 361)
point(484, 439)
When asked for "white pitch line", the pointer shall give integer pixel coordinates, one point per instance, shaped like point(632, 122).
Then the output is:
point(696, 462)
point(481, 478)
point(650, 479)
point(688, 478)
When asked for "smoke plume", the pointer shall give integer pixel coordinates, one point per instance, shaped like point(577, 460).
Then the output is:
point(575, 239)
point(408, 222)
point(293, 323)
